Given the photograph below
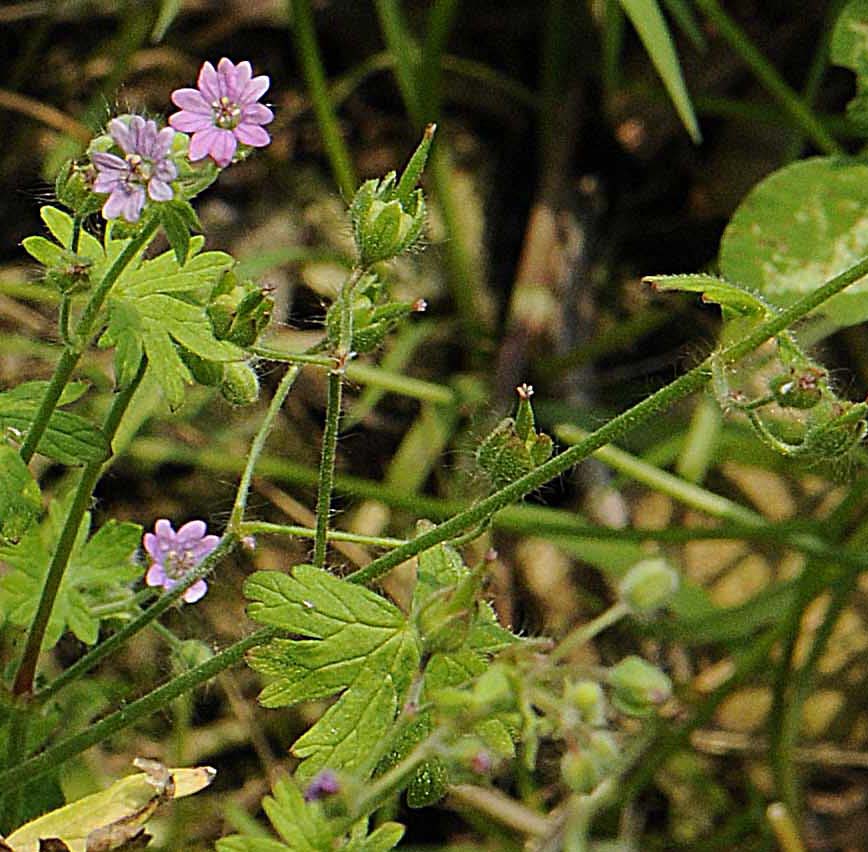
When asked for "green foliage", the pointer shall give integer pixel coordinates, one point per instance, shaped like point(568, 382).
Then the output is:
point(69, 439)
point(848, 47)
point(20, 498)
point(646, 16)
point(799, 227)
point(359, 645)
point(303, 827)
point(100, 569)
point(159, 305)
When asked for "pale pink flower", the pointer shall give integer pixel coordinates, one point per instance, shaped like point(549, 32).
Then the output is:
point(223, 111)
point(145, 166)
point(175, 554)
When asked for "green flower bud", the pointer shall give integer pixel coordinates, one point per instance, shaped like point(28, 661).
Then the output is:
point(579, 771)
point(638, 687)
point(445, 618)
point(192, 652)
point(388, 215)
point(71, 275)
point(73, 187)
point(586, 697)
point(799, 388)
point(240, 384)
point(649, 585)
point(428, 784)
point(493, 692)
point(239, 312)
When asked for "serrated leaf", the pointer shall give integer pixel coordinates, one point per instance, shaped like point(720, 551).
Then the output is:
point(725, 293)
point(20, 498)
point(99, 571)
point(848, 45)
point(649, 22)
point(69, 439)
point(799, 227)
point(359, 645)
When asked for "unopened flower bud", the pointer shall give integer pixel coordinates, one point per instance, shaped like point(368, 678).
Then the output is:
point(638, 687)
point(240, 384)
point(74, 188)
point(587, 698)
point(649, 585)
point(323, 785)
point(579, 771)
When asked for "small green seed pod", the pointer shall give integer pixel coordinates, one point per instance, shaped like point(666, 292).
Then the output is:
point(579, 771)
point(649, 585)
point(240, 384)
point(638, 687)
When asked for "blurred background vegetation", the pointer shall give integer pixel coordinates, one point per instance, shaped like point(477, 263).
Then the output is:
point(562, 174)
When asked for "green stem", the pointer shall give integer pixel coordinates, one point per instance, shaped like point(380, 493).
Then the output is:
point(327, 466)
point(23, 684)
point(440, 21)
point(84, 664)
point(153, 702)
point(766, 73)
point(583, 634)
point(265, 528)
point(258, 445)
point(314, 75)
point(618, 426)
point(70, 355)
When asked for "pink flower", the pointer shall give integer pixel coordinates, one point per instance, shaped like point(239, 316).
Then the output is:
point(146, 164)
point(175, 554)
point(223, 111)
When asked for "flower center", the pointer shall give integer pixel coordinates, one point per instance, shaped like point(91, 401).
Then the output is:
point(178, 563)
point(227, 114)
point(140, 168)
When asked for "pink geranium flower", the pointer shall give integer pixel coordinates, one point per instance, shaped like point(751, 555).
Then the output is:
point(145, 166)
point(175, 554)
point(223, 111)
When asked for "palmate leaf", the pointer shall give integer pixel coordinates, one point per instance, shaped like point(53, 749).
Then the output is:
point(304, 828)
point(160, 304)
point(359, 645)
point(20, 499)
point(99, 571)
point(69, 439)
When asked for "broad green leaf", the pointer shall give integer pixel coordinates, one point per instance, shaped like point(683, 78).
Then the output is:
point(725, 293)
point(99, 572)
point(43, 250)
point(20, 499)
point(648, 20)
point(303, 827)
point(160, 303)
point(799, 227)
point(176, 232)
point(359, 645)
point(849, 42)
point(60, 226)
point(114, 815)
point(69, 439)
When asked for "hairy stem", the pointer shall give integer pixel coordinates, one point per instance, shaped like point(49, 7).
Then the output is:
point(153, 702)
point(327, 466)
point(71, 353)
point(618, 426)
point(23, 684)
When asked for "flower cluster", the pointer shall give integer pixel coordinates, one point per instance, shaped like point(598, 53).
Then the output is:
point(222, 113)
point(175, 554)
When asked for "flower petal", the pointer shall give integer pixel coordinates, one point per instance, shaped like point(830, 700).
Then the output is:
point(240, 79)
point(109, 161)
point(190, 122)
point(191, 532)
point(196, 591)
point(202, 548)
point(108, 181)
point(256, 114)
point(134, 203)
point(120, 131)
point(223, 148)
point(159, 190)
point(156, 576)
point(191, 100)
point(163, 143)
point(255, 89)
point(252, 134)
point(165, 170)
point(202, 142)
point(165, 531)
point(114, 205)
point(153, 548)
point(208, 83)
